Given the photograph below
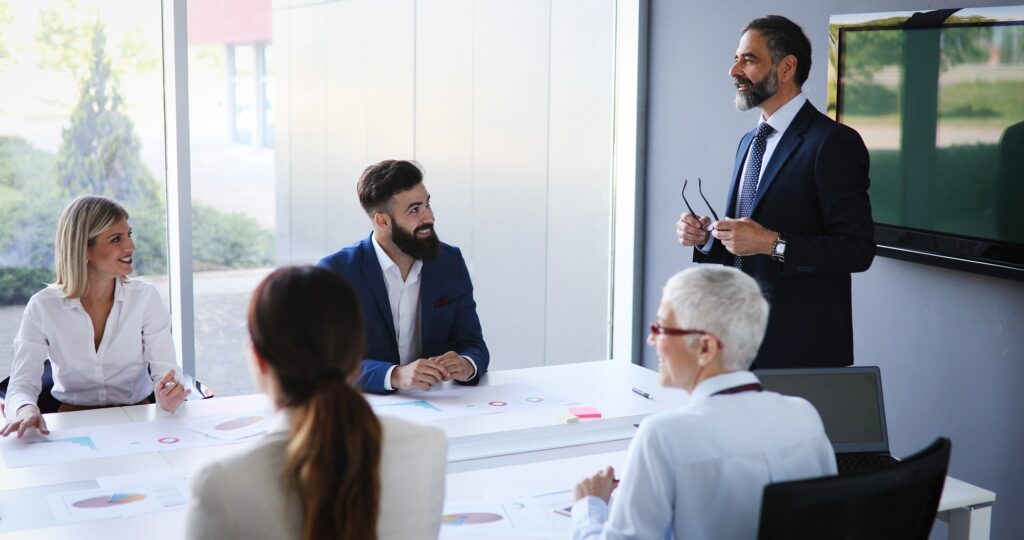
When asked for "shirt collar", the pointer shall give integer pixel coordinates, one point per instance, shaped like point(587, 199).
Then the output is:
point(386, 264)
point(707, 387)
point(118, 290)
point(784, 116)
point(282, 421)
point(72, 303)
point(382, 256)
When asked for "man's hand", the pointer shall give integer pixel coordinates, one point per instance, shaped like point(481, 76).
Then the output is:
point(28, 417)
point(600, 485)
point(419, 375)
point(692, 231)
point(744, 236)
point(170, 393)
point(458, 368)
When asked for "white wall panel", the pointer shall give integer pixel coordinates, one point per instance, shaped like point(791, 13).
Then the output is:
point(579, 189)
point(444, 116)
point(347, 117)
point(390, 77)
point(508, 106)
point(510, 153)
point(307, 127)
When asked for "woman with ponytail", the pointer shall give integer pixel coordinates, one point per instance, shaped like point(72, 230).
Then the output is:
point(329, 468)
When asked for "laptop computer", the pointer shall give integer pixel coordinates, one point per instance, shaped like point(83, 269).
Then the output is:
point(849, 400)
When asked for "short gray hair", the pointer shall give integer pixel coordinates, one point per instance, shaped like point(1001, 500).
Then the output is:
point(724, 302)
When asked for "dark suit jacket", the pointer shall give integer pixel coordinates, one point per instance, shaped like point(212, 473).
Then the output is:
point(814, 191)
point(448, 320)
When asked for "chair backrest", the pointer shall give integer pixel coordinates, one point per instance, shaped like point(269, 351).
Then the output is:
point(897, 502)
point(46, 402)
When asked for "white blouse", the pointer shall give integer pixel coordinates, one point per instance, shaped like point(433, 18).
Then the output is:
point(135, 351)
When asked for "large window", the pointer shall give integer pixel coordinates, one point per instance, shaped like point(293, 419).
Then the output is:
point(232, 181)
point(81, 101)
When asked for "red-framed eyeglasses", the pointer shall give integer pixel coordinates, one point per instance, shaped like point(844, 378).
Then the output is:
point(659, 330)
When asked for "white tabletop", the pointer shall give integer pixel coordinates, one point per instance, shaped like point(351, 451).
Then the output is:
point(527, 452)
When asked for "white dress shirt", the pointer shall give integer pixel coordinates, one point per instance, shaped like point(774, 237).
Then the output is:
point(404, 298)
point(135, 351)
point(245, 495)
point(698, 472)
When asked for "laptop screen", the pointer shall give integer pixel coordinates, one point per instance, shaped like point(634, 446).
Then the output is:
point(848, 399)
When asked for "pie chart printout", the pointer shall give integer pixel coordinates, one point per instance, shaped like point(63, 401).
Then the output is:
point(238, 423)
point(469, 518)
point(117, 499)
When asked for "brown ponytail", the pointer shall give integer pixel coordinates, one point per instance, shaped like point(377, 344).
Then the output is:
point(307, 324)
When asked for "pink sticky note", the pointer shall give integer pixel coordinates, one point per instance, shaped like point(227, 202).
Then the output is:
point(585, 412)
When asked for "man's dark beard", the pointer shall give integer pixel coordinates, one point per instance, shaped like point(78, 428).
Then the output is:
point(426, 249)
point(757, 93)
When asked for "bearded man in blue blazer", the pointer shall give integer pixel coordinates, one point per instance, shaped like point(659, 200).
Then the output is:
point(417, 297)
point(798, 215)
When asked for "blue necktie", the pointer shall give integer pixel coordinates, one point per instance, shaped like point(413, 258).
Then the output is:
point(752, 174)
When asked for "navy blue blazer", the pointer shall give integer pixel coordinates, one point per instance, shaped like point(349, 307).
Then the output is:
point(448, 320)
point(814, 190)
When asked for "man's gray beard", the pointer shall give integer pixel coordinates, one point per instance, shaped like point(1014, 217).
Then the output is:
point(758, 93)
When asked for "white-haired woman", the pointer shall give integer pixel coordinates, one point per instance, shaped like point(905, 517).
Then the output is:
point(107, 337)
point(699, 471)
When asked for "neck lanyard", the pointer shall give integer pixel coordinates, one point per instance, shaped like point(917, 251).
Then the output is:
point(752, 387)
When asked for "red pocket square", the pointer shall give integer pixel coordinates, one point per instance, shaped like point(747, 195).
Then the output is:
point(444, 302)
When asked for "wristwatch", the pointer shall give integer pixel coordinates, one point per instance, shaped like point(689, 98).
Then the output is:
point(779, 249)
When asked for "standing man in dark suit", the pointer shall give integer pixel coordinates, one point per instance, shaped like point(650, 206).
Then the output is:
point(799, 218)
point(417, 298)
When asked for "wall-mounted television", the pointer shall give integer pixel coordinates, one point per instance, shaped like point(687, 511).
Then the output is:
point(938, 98)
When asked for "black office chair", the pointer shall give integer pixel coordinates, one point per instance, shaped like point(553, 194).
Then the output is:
point(49, 404)
point(897, 502)
point(46, 402)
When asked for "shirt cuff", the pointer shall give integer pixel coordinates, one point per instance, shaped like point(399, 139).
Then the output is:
point(706, 248)
point(472, 363)
point(588, 517)
point(387, 379)
point(11, 408)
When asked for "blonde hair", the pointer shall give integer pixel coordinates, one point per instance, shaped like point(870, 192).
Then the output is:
point(81, 222)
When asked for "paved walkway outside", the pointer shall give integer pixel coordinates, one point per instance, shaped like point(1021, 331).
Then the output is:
point(221, 303)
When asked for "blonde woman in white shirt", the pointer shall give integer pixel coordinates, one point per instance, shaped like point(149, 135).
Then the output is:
point(329, 468)
point(107, 337)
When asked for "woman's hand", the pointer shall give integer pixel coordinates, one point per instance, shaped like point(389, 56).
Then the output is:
point(170, 393)
point(28, 417)
point(600, 485)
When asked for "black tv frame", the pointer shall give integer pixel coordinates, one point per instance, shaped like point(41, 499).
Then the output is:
point(947, 250)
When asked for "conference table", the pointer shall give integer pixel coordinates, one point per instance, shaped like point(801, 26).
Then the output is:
point(519, 463)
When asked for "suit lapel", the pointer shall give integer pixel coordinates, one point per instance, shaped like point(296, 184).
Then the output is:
point(737, 170)
point(791, 140)
point(374, 278)
point(429, 294)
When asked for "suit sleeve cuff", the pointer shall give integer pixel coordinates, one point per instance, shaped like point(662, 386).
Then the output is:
point(472, 363)
point(588, 517)
point(387, 379)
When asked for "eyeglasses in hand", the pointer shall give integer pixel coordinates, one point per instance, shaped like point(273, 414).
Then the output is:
point(690, 208)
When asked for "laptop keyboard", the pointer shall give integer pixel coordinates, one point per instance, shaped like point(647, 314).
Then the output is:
point(848, 463)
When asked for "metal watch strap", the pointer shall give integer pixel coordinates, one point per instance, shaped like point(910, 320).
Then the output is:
point(775, 255)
